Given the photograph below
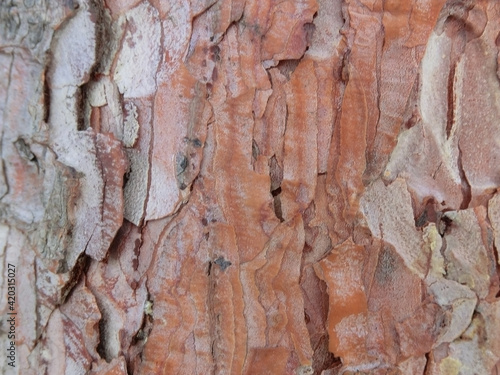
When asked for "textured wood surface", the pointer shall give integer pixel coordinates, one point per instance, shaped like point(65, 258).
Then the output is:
point(251, 187)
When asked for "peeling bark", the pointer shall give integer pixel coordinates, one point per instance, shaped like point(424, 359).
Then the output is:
point(250, 187)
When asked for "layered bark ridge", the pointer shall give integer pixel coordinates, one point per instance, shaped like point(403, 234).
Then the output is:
point(251, 186)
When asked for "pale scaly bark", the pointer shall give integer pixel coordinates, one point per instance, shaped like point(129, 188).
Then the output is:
point(250, 187)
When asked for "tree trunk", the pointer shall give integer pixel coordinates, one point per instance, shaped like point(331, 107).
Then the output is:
point(250, 187)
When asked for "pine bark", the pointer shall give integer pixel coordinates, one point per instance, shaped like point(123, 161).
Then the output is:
point(250, 186)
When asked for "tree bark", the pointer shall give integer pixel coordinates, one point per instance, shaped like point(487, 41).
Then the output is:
point(250, 187)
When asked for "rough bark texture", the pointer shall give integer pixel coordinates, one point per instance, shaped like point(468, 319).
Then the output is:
point(251, 186)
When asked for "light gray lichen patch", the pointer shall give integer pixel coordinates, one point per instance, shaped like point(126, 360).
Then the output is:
point(136, 186)
point(304, 370)
point(53, 234)
point(130, 125)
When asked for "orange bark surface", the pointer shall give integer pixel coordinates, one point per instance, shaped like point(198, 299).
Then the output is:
point(251, 187)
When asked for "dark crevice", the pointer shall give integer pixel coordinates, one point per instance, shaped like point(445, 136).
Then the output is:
point(344, 67)
point(421, 220)
point(277, 209)
point(276, 176)
point(450, 117)
point(276, 193)
point(146, 326)
point(287, 112)
point(4, 177)
point(255, 150)
point(102, 338)
point(466, 188)
point(429, 213)
point(24, 150)
point(496, 256)
point(212, 316)
point(315, 318)
point(322, 359)
point(427, 368)
point(118, 242)
point(126, 176)
point(276, 173)
point(46, 98)
point(412, 113)
point(83, 106)
point(78, 271)
point(446, 224)
point(497, 43)
point(81, 102)
point(287, 67)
